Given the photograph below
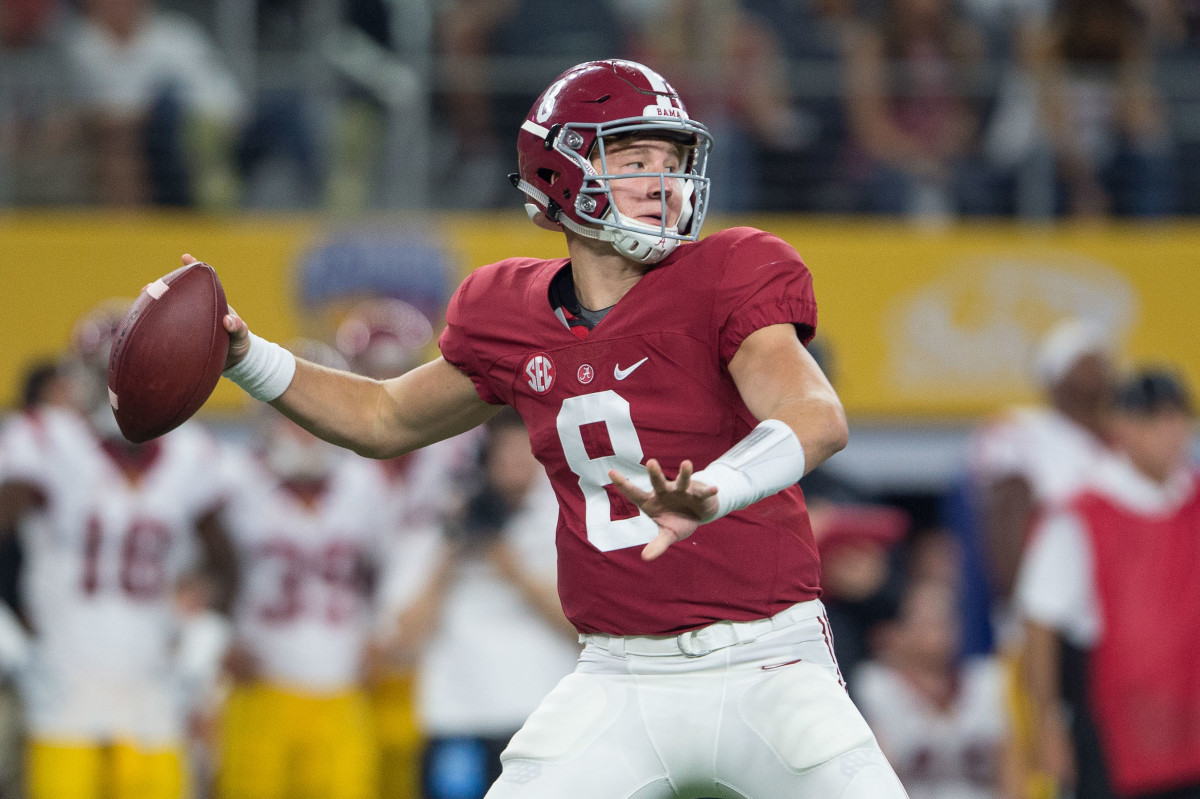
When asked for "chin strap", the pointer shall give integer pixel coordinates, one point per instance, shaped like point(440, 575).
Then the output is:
point(647, 247)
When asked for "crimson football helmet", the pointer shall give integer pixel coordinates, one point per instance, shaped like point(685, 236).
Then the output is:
point(565, 132)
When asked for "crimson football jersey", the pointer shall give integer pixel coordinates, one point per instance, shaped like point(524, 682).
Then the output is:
point(651, 380)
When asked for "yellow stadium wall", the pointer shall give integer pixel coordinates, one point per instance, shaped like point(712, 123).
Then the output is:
point(919, 323)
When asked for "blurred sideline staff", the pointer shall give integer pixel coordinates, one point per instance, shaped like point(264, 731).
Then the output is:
point(501, 641)
point(161, 106)
point(1115, 570)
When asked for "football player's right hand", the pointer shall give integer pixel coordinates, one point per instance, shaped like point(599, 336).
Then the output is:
point(239, 333)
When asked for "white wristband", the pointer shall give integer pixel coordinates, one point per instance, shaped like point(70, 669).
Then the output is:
point(265, 372)
point(763, 463)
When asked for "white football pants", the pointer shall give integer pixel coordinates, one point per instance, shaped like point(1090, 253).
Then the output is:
point(756, 711)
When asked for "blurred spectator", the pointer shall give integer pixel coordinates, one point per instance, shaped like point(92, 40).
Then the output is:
point(378, 51)
point(501, 642)
point(108, 527)
point(860, 586)
point(482, 106)
point(25, 22)
point(732, 74)
point(806, 172)
point(1014, 144)
point(162, 108)
point(1115, 570)
point(942, 723)
point(1106, 121)
point(40, 139)
point(313, 539)
point(909, 99)
point(1174, 25)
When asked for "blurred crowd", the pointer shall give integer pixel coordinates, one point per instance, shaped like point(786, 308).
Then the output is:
point(930, 109)
point(245, 611)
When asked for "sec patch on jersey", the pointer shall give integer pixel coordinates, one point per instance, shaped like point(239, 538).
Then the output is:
point(169, 352)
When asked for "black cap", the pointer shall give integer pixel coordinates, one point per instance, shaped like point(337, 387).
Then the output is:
point(1150, 391)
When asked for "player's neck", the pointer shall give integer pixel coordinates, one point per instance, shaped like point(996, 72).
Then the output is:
point(1088, 416)
point(602, 276)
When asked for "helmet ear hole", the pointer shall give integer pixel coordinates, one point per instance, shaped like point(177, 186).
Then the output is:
point(548, 175)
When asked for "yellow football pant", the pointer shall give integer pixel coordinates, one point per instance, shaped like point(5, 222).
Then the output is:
point(67, 770)
point(282, 744)
point(401, 742)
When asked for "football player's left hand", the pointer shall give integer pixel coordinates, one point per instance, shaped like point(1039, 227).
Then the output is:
point(676, 506)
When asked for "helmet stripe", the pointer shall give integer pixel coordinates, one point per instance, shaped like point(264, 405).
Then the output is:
point(534, 128)
point(663, 93)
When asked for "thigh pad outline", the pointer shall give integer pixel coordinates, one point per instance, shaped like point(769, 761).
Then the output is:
point(571, 716)
point(805, 716)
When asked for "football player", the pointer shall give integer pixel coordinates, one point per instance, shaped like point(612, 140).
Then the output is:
point(707, 668)
point(309, 529)
point(1029, 460)
point(108, 528)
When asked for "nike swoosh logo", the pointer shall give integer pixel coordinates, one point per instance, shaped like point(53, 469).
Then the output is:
point(781, 665)
point(621, 374)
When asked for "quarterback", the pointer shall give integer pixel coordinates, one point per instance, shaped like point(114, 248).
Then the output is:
point(707, 668)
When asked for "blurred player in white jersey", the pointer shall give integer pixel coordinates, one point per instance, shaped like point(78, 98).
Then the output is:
point(501, 642)
point(309, 529)
point(381, 338)
point(44, 384)
point(1036, 456)
point(108, 528)
point(943, 723)
point(1030, 459)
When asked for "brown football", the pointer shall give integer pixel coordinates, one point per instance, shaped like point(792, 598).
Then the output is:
point(169, 352)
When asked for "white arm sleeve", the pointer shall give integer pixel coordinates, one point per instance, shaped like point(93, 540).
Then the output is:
point(765, 462)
